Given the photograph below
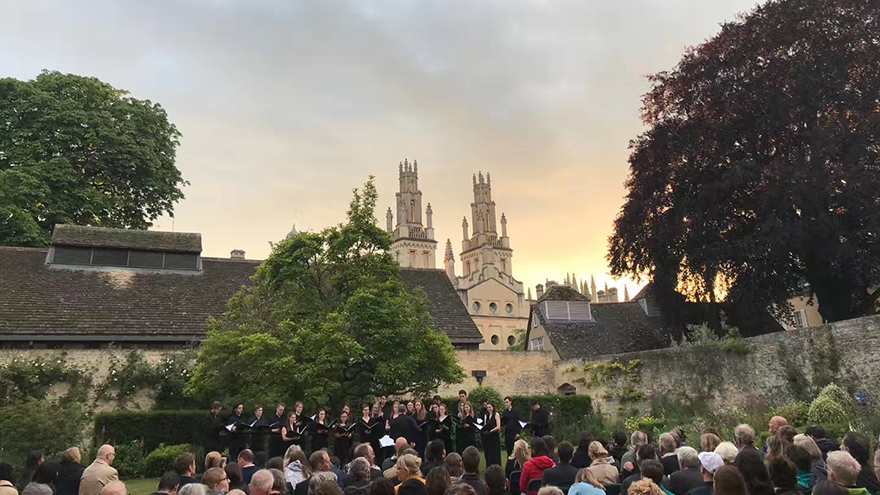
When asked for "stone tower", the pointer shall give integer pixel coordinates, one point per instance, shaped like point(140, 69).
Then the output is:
point(414, 245)
point(485, 247)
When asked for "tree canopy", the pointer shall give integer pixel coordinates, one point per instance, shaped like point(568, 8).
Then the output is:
point(759, 176)
point(326, 319)
point(77, 150)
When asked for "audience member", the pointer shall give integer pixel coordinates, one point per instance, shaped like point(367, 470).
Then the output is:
point(783, 475)
point(709, 463)
point(70, 471)
point(399, 445)
point(275, 463)
point(563, 474)
point(278, 483)
point(551, 447)
point(520, 456)
point(296, 465)
point(470, 459)
point(437, 481)
point(585, 483)
point(185, 466)
point(47, 474)
point(679, 435)
point(359, 477)
point(828, 487)
point(817, 433)
point(213, 459)
point(751, 466)
point(261, 482)
point(336, 468)
point(627, 462)
point(581, 457)
point(328, 487)
point(727, 451)
point(817, 460)
point(667, 453)
point(409, 467)
point(729, 481)
point(775, 423)
point(319, 464)
point(454, 466)
point(653, 470)
point(382, 486)
point(709, 442)
point(32, 462)
point(216, 480)
point(248, 468)
point(860, 448)
point(413, 486)
point(534, 468)
point(365, 450)
point(434, 455)
point(802, 461)
point(600, 466)
point(550, 490)
point(326, 478)
point(618, 447)
point(7, 477)
point(118, 488)
point(689, 476)
point(169, 484)
point(233, 472)
point(645, 487)
point(744, 438)
point(459, 489)
point(645, 452)
point(844, 470)
point(34, 488)
point(496, 483)
point(99, 473)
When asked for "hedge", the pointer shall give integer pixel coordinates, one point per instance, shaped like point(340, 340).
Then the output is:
point(151, 427)
point(565, 408)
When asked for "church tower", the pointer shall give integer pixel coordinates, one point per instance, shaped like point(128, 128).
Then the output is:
point(414, 245)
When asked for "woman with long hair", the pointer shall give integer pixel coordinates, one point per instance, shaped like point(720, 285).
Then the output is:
point(585, 483)
point(521, 454)
point(492, 435)
point(410, 408)
point(817, 464)
point(466, 433)
point(290, 434)
point(437, 480)
point(421, 417)
point(603, 470)
point(754, 472)
point(296, 466)
point(729, 481)
point(320, 431)
point(342, 435)
point(442, 427)
point(709, 442)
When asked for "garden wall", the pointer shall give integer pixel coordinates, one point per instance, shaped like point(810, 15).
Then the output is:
point(775, 369)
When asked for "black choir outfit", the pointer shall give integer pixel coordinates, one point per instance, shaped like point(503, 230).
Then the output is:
point(277, 447)
point(291, 434)
point(442, 429)
point(510, 422)
point(540, 423)
point(237, 435)
point(342, 435)
point(319, 432)
point(465, 434)
point(421, 439)
point(491, 440)
point(259, 428)
point(215, 433)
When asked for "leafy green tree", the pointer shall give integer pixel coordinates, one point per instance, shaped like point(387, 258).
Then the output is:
point(77, 150)
point(326, 319)
point(40, 425)
point(760, 172)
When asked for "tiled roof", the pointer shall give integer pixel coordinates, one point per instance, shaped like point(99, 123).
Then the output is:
point(37, 299)
point(449, 313)
point(556, 292)
point(78, 235)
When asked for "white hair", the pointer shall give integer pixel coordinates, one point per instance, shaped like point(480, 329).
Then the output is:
point(843, 467)
point(195, 489)
point(688, 456)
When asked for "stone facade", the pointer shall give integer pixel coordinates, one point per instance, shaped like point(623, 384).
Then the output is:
point(414, 245)
point(508, 372)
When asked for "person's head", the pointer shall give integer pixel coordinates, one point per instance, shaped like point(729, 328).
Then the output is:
point(843, 468)
point(319, 484)
point(667, 443)
point(709, 442)
point(584, 440)
point(828, 487)
point(365, 411)
point(521, 452)
point(359, 469)
point(539, 448)
point(216, 479)
point(185, 464)
point(233, 471)
point(239, 408)
point(783, 473)
point(343, 418)
point(775, 423)
point(679, 435)
point(586, 476)
point(637, 439)
point(246, 457)
point(858, 446)
point(462, 396)
point(550, 442)
point(319, 461)
point(34, 459)
point(382, 486)
point(72, 455)
point(687, 457)
point(644, 487)
point(261, 483)
point(322, 415)
point(619, 438)
point(565, 451)
point(652, 470)
point(169, 483)
point(470, 459)
point(645, 453)
point(279, 483)
point(279, 410)
point(35, 488)
point(258, 411)
point(729, 481)
point(467, 409)
point(6, 472)
point(410, 407)
point(508, 403)
point(495, 480)
point(46, 473)
point(490, 408)
point(298, 407)
point(800, 458)
point(215, 407)
point(436, 450)
point(365, 450)
point(786, 433)
point(727, 451)
point(275, 463)
point(113, 488)
point(534, 405)
point(106, 453)
point(709, 463)
point(453, 465)
point(400, 444)
point(550, 490)
point(597, 451)
point(751, 465)
point(346, 409)
point(437, 480)
point(816, 432)
point(408, 465)
point(442, 410)
point(401, 408)
point(213, 459)
point(743, 435)
point(460, 489)
point(260, 459)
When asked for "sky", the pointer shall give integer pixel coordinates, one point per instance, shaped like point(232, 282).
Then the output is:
point(286, 106)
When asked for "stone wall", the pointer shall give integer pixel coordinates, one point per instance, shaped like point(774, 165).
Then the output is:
point(778, 369)
point(508, 372)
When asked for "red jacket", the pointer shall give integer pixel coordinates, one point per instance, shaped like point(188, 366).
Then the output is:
point(534, 469)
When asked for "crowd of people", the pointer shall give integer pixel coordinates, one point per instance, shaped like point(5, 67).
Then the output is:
point(788, 463)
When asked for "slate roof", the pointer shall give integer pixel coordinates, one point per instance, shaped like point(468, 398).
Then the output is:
point(562, 293)
point(449, 313)
point(37, 299)
point(78, 235)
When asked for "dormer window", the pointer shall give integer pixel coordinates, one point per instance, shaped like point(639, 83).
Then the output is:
point(567, 310)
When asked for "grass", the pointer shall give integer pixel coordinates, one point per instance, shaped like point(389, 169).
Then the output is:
point(141, 486)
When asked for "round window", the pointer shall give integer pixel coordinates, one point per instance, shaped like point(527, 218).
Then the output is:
point(509, 308)
point(476, 307)
point(511, 340)
point(493, 307)
point(495, 340)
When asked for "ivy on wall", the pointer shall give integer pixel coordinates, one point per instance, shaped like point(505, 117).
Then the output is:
point(31, 378)
point(129, 374)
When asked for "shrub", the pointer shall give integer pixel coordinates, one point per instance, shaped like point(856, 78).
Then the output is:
point(479, 394)
point(797, 414)
point(654, 426)
point(162, 459)
point(151, 427)
point(40, 425)
point(129, 459)
point(838, 395)
point(825, 410)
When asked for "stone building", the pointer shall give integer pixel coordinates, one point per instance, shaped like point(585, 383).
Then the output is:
point(495, 299)
point(414, 245)
point(150, 290)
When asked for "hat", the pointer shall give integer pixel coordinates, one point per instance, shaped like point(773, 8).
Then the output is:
point(711, 461)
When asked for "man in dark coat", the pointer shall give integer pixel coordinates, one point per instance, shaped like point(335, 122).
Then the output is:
point(562, 476)
point(690, 475)
point(540, 422)
point(510, 421)
point(403, 426)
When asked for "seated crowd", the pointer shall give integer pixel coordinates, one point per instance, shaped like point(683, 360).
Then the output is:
point(789, 464)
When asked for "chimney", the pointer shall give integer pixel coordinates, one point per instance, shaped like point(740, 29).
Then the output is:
point(539, 291)
point(237, 254)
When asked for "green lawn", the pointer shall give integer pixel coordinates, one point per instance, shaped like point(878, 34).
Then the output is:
point(142, 486)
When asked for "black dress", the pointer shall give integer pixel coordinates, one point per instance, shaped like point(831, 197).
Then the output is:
point(491, 441)
point(443, 431)
point(342, 434)
point(319, 433)
point(466, 434)
point(293, 433)
point(371, 432)
point(510, 423)
point(421, 439)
